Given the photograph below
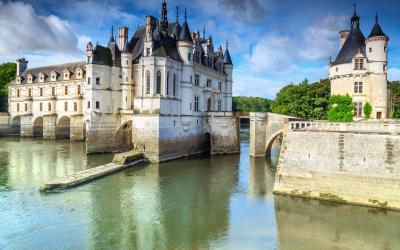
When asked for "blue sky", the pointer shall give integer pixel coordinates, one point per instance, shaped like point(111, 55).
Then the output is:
point(272, 42)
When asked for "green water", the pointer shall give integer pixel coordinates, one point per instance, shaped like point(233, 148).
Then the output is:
point(223, 202)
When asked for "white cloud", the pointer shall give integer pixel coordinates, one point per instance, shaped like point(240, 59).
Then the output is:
point(22, 29)
point(321, 39)
point(272, 54)
point(83, 41)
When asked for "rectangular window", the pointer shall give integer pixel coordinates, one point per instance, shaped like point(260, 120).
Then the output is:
point(189, 57)
point(41, 107)
point(17, 107)
point(370, 50)
point(196, 103)
point(88, 104)
point(66, 90)
point(220, 86)
point(89, 81)
point(358, 109)
point(53, 91)
point(18, 93)
point(26, 107)
point(41, 91)
point(384, 68)
point(98, 80)
point(209, 83)
point(78, 89)
point(30, 92)
point(65, 106)
point(49, 106)
point(219, 105)
point(358, 87)
point(75, 106)
point(196, 80)
point(147, 51)
point(97, 105)
point(359, 64)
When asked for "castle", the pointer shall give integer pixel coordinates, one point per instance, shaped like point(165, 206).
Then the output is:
point(360, 69)
point(165, 90)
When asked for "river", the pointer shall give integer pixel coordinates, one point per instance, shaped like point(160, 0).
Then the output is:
point(222, 202)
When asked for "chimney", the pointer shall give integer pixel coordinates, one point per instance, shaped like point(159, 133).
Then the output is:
point(151, 23)
point(22, 64)
point(343, 36)
point(122, 37)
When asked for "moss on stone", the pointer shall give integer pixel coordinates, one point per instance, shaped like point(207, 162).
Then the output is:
point(378, 203)
point(331, 197)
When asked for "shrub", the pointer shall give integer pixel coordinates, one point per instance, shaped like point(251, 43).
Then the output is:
point(340, 108)
point(367, 109)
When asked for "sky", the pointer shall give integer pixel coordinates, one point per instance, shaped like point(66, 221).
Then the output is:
point(272, 42)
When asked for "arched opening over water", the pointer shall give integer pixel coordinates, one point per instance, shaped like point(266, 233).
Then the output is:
point(123, 136)
point(63, 128)
point(15, 128)
point(244, 130)
point(37, 130)
point(207, 142)
point(272, 140)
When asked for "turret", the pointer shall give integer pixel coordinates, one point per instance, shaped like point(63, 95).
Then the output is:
point(228, 70)
point(89, 53)
point(151, 24)
point(126, 74)
point(122, 36)
point(377, 43)
point(185, 43)
point(164, 19)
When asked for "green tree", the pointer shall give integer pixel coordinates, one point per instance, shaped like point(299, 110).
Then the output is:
point(250, 104)
point(340, 108)
point(367, 109)
point(7, 74)
point(394, 98)
point(306, 100)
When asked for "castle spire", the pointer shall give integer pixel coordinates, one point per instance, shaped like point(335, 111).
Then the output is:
point(164, 19)
point(177, 15)
point(376, 18)
point(355, 20)
point(204, 31)
point(112, 35)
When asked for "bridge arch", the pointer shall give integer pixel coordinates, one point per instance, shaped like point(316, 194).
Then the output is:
point(15, 125)
point(63, 128)
point(123, 136)
point(37, 130)
point(270, 141)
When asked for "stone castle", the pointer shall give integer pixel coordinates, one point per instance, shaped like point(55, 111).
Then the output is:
point(164, 90)
point(360, 69)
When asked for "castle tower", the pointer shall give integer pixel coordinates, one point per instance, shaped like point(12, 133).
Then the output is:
point(376, 45)
point(228, 69)
point(126, 82)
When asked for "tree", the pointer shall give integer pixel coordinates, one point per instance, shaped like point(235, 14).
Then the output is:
point(250, 104)
point(340, 108)
point(306, 100)
point(367, 109)
point(7, 74)
point(394, 98)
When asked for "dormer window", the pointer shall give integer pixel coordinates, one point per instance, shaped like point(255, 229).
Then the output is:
point(41, 77)
point(66, 75)
point(53, 76)
point(79, 73)
point(359, 63)
point(30, 78)
point(147, 51)
point(19, 80)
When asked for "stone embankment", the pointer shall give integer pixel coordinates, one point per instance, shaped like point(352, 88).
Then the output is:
point(4, 120)
point(120, 162)
point(356, 163)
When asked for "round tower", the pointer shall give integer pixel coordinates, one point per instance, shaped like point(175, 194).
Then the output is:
point(126, 83)
point(376, 48)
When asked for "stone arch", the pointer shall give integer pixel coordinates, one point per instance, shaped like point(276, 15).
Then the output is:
point(270, 141)
point(15, 126)
point(63, 128)
point(123, 137)
point(37, 130)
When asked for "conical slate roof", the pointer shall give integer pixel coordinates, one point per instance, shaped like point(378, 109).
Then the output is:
point(354, 44)
point(227, 57)
point(185, 32)
point(376, 30)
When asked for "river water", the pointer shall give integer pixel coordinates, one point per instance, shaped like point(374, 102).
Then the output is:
point(222, 202)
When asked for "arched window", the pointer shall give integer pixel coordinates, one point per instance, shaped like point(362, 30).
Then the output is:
point(167, 84)
point(147, 82)
point(209, 105)
point(158, 85)
point(174, 86)
point(75, 106)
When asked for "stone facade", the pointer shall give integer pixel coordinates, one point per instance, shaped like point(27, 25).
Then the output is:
point(155, 91)
point(360, 69)
point(346, 162)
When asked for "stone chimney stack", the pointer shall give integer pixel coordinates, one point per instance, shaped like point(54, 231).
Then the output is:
point(122, 37)
point(343, 36)
point(22, 64)
point(151, 23)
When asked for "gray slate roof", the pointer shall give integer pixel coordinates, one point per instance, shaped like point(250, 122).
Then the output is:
point(71, 67)
point(354, 44)
point(227, 57)
point(377, 31)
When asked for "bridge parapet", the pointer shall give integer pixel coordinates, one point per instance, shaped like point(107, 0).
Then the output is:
point(366, 127)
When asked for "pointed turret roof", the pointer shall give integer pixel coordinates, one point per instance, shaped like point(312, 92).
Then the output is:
point(376, 30)
point(354, 44)
point(112, 40)
point(185, 32)
point(227, 56)
point(126, 49)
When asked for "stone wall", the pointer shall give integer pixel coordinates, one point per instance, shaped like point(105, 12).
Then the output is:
point(4, 123)
point(224, 131)
point(347, 162)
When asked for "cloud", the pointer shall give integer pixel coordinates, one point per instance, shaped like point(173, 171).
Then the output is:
point(273, 54)
point(321, 39)
point(244, 10)
point(23, 29)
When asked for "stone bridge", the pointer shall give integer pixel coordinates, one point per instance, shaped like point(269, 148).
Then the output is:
point(264, 129)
